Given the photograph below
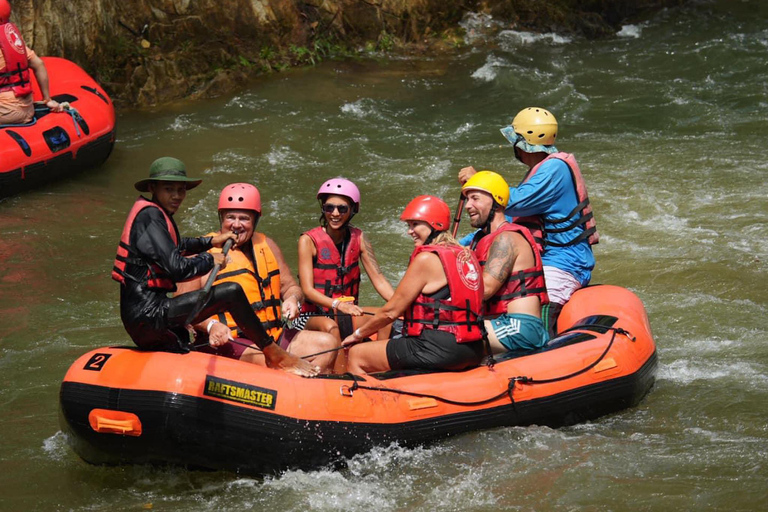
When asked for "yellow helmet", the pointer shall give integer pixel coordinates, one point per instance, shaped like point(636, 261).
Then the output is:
point(490, 182)
point(536, 125)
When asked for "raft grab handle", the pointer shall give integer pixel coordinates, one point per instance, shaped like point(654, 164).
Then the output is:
point(106, 421)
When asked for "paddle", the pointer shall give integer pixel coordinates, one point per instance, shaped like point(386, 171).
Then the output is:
point(204, 296)
point(336, 349)
point(457, 217)
point(248, 345)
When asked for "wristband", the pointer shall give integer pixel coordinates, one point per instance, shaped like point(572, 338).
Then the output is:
point(335, 304)
point(357, 334)
point(210, 324)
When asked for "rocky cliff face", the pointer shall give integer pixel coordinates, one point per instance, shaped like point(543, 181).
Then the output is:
point(152, 51)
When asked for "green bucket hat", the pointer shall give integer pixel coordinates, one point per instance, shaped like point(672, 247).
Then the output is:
point(167, 169)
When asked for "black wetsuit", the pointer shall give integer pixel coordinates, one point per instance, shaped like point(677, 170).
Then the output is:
point(152, 319)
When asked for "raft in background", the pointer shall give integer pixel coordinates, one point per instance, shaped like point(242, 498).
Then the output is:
point(58, 144)
point(123, 406)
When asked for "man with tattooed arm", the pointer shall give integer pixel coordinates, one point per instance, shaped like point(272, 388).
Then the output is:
point(513, 276)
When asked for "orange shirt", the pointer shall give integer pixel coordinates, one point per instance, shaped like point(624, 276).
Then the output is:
point(15, 110)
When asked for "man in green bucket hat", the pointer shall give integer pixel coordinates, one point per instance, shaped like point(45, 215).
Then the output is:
point(167, 168)
point(152, 257)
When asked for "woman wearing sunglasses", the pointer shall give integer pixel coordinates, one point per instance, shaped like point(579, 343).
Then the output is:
point(329, 263)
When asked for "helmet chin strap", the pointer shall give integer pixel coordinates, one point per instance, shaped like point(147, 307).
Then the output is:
point(432, 235)
point(486, 227)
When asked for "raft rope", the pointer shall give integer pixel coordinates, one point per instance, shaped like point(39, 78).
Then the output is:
point(74, 114)
point(348, 390)
point(522, 379)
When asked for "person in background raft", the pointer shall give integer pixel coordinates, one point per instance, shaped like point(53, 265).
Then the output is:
point(151, 259)
point(552, 201)
point(16, 59)
point(513, 276)
point(256, 263)
point(329, 263)
point(441, 295)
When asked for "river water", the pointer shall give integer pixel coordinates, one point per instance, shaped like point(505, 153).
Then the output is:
point(668, 120)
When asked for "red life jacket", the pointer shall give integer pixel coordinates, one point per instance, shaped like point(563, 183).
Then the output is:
point(523, 283)
point(156, 278)
point(584, 209)
point(458, 314)
point(15, 74)
point(333, 275)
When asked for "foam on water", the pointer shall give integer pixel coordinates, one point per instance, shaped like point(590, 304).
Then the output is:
point(185, 123)
point(249, 101)
point(55, 447)
point(488, 72)
point(633, 31)
point(231, 161)
point(362, 108)
point(285, 156)
point(686, 372)
point(511, 38)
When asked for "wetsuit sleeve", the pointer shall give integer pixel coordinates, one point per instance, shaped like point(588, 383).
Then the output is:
point(195, 245)
point(150, 237)
point(541, 192)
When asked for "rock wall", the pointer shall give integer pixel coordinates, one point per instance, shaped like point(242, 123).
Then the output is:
point(146, 52)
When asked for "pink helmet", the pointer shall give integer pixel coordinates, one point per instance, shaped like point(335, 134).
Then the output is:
point(340, 187)
point(239, 196)
point(5, 11)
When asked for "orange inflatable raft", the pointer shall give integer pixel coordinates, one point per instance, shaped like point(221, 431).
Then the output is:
point(58, 144)
point(123, 406)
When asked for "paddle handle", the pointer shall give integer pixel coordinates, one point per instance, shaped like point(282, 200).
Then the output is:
point(457, 217)
point(208, 284)
point(216, 267)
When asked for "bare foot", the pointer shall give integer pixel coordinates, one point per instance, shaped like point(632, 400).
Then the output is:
point(280, 359)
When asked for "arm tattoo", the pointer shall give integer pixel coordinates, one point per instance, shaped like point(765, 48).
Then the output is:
point(371, 255)
point(501, 258)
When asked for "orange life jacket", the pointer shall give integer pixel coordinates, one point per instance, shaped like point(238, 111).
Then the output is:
point(156, 278)
point(458, 314)
point(333, 275)
point(15, 74)
point(520, 284)
point(261, 284)
point(586, 218)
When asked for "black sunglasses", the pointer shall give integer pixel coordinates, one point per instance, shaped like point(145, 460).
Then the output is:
point(328, 208)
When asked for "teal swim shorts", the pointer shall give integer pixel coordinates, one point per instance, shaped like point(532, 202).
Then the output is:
point(520, 332)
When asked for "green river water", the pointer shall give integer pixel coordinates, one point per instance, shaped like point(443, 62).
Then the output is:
point(668, 120)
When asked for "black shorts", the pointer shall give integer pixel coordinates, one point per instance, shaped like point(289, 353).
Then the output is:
point(433, 350)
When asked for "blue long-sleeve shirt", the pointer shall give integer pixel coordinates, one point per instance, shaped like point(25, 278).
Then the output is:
point(551, 193)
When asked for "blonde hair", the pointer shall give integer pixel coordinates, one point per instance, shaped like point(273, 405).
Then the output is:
point(445, 238)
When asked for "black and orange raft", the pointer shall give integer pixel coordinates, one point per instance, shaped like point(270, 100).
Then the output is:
point(61, 143)
point(121, 405)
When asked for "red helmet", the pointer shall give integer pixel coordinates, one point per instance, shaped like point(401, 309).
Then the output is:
point(5, 11)
point(239, 196)
point(429, 209)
